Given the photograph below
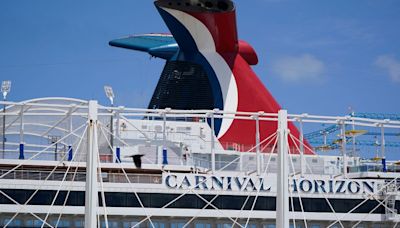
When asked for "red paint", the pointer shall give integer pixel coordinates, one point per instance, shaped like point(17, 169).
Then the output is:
point(252, 94)
point(248, 53)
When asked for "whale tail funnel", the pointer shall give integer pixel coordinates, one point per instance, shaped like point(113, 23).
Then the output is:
point(208, 67)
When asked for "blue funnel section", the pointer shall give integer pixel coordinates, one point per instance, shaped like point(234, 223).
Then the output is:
point(159, 45)
point(188, 81)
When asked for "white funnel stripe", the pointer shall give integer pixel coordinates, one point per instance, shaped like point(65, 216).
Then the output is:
point(226, 80)
point(201, 35)
point(206, 45)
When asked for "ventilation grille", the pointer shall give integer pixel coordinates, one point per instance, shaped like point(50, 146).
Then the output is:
point(184, 86)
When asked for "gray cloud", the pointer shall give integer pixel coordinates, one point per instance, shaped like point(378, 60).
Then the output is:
point(299, 68)
point(391, 65)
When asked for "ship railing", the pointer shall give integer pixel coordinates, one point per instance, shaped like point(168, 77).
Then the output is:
point(80, 176)
point(374, 168)
point(48, 122)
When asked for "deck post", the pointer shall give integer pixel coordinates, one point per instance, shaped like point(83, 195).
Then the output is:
point(384, 168)
point(70, 149)
point(258, 152)
point(21, 134)
point(302, 158)
point(91, 168)
point(117, 155)
point(344, 150)
point(282, 195)
point(164, 140)
point(212, 135)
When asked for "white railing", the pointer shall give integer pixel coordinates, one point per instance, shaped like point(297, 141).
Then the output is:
point(52, 125)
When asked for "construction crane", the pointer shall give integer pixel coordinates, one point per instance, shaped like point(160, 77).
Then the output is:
point(335, 143)
point(376, 116)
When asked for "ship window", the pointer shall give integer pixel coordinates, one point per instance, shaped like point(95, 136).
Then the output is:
point(202, 225)
point(224, 225)
point(15, 222)
point(132, 224)
point(297, 226)
point(270, 226)
point(314, 160)
point(33, 223)
point(79, 223)
point(315, 226)
point(249, 225)
point(177, 224)
point(111, 224)
point(190, 201)
point(62, 223)
point(158, 224)
point(187, 201)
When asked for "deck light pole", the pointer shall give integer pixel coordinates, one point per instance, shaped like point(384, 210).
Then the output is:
point(5, 89)
point(110, 95)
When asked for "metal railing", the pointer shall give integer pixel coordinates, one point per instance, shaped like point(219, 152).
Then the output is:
point(55, 124)
point(80, 176)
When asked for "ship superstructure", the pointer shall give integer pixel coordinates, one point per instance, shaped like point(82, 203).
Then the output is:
point(187, 179)
point(213, 149)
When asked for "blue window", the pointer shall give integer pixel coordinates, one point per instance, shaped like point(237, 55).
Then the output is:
point(79, 223)
point(62, 223)
point(224, 225)
point(270, 226)
point(203, 225)
point(111, 224)
point(33, 223)
point(15, 222)
point(243, 224)
point(297, 226)
point(177, 224)
point(158, 224)
point(130, 224)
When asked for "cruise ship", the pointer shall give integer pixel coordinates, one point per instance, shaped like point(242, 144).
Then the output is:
point(212, 150)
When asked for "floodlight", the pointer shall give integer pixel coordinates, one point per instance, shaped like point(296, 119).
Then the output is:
point(109, 93)
point(5, 88)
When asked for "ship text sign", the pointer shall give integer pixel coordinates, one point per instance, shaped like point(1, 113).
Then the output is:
point(267, 184)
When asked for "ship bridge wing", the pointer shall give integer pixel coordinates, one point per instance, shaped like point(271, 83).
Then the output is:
point(158, 45)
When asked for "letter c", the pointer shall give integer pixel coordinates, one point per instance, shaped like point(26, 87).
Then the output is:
point(168, 181)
